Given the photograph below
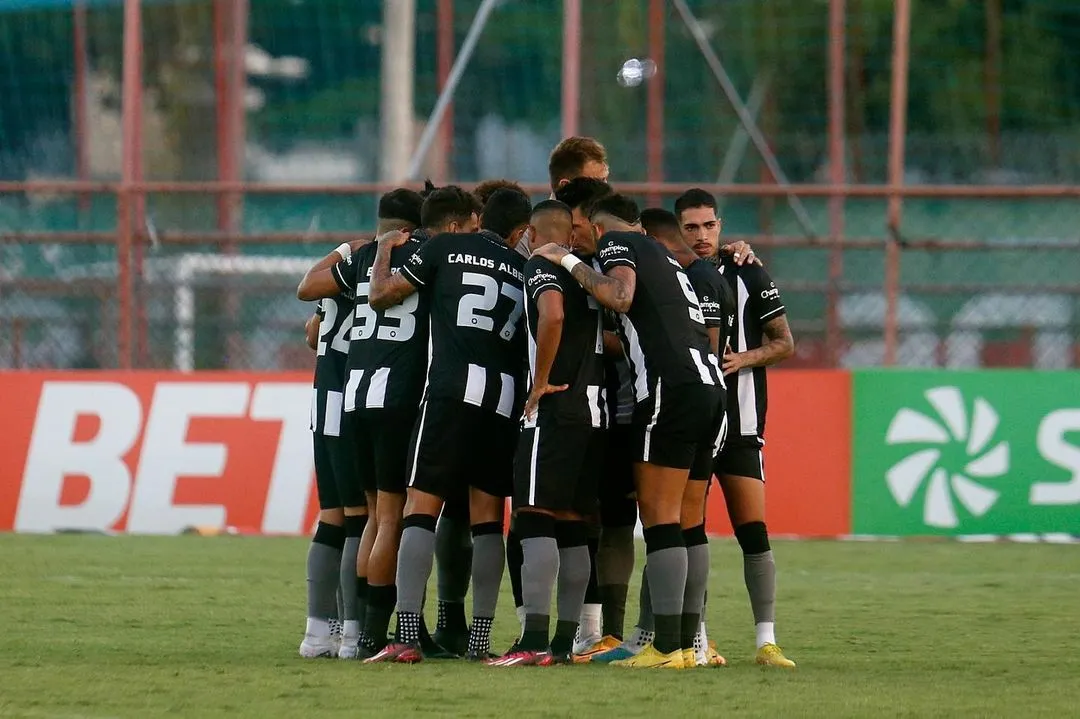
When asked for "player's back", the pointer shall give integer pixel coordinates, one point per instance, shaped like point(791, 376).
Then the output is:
point(331, 355)
point(664, 330)
point(715, 297)
point(388, 351)
point(477, 344)
point(579, 361)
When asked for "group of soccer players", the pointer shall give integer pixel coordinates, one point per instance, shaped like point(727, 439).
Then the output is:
point(570, 355)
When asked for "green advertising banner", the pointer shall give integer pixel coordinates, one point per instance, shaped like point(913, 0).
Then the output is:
point(981, 452)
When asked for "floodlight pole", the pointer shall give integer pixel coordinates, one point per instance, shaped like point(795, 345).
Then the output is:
point(726, 84)
point(397, 81)
point(571, 67)
point(897, 133)
point(446, 96)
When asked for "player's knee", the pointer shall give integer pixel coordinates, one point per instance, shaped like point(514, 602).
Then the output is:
point(335, 516)
point(532, 525)
point(354, 524)
point(571, 534)
point(618, 512)
point(753, 537)
point(420, 521)
point(331, 535)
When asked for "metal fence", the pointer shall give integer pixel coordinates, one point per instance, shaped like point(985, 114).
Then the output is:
point(909, 172)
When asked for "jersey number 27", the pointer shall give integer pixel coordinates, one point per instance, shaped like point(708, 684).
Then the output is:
point(472, 305)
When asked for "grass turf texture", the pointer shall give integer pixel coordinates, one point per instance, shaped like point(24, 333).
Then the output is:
point(200, 627)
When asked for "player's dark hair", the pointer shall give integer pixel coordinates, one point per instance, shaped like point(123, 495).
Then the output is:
point(657, 222)
point(551, 206)
point(487, 188)
point(447, 204)
point(581, 191)
point(571, 155)
point(616, 205)
point(506, 211)
point(401, 204)
point(429, 187)
point(694, 197)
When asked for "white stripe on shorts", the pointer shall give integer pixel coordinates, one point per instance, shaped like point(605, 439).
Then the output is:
point(532, 464)
point(419, 439)
point(356, 376)
point(593, 394)
point(475, 385)
point(652, 424)
point(376, 393)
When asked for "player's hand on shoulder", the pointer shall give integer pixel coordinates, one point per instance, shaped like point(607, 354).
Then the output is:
point(733, 361)
point(393, 238)
point(538, 391)
point(552, 252)
point(742, 253)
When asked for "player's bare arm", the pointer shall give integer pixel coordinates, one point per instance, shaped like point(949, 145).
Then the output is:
point(612, 345)
point(388, 289)
point(318, 282)
point(714, 339)
point(549, 324)
point(614, 291)
point(778, 346)
point(311, 331)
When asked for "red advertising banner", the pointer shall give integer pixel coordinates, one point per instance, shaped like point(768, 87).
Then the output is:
point(807, 457)
point(157, 453)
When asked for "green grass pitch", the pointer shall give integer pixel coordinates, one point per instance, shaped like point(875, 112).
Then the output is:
point(198, 627)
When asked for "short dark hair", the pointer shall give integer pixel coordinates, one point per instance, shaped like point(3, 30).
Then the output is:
point(401, 204)
point(487, 188)
point(570, 156)
point(506, 211)
point(694, 197)
point(551, 206)
point(616, 205)
point(657, 221)
point(581, 191)
point(447, 204)
point(429, 187)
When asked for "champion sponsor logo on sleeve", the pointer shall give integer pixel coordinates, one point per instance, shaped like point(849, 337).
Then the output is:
point(772, 293)
point(613, 250)
point(540, 277)
point(416, 260)
point(709, 305)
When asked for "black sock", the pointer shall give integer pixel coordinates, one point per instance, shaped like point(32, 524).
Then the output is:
point(381, 600)
point(592, 590)
point(563, 641)
point(452, 618)
point(514, 559)
point(537, 631)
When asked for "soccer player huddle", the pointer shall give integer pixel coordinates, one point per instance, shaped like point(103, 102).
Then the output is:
point(596, 364)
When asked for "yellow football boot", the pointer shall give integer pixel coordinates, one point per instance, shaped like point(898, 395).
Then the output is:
point(650, 658)
point(770, 656)
point(606, 644)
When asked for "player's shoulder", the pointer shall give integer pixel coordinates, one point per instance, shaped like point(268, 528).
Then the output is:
point(705, 270)
point(542, 272)
point(613, 245)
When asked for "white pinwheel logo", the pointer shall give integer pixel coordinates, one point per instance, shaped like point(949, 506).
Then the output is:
point(950, 426)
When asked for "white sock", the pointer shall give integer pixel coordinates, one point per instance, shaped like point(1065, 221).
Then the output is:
point(638, 639)
point(766, 633)
point(589, 623)
point(317, 627)
point(350, 629)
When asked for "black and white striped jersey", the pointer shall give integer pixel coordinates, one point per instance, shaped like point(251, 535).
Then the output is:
point(715, 296)
point(388, 348)
point(335, 320)
point(475, 285)
point(617, 379)
point(579, 360)
point(757, 301)
point(663, 332)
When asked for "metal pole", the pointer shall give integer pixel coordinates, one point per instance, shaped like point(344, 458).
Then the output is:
point(837, 176)
point(571, 67)
point(655, 120)
point(745, 118)
point(736, 151)
point(82, 144)
point(131, 111)
point(447, 94)
point(897, 133)
point(398, 75)
point(444, 51)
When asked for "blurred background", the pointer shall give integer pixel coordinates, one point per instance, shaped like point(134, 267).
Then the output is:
point(168, 168)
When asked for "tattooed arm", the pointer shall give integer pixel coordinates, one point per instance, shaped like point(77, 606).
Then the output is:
point(614, 290)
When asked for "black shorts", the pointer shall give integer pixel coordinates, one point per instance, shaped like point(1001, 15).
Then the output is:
point(617, 475)
point(557, 466)
point(459, 445)
point(705, 457)
point(674, 423)
point(741, 457)
point(381, 438)
point(335, 473)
